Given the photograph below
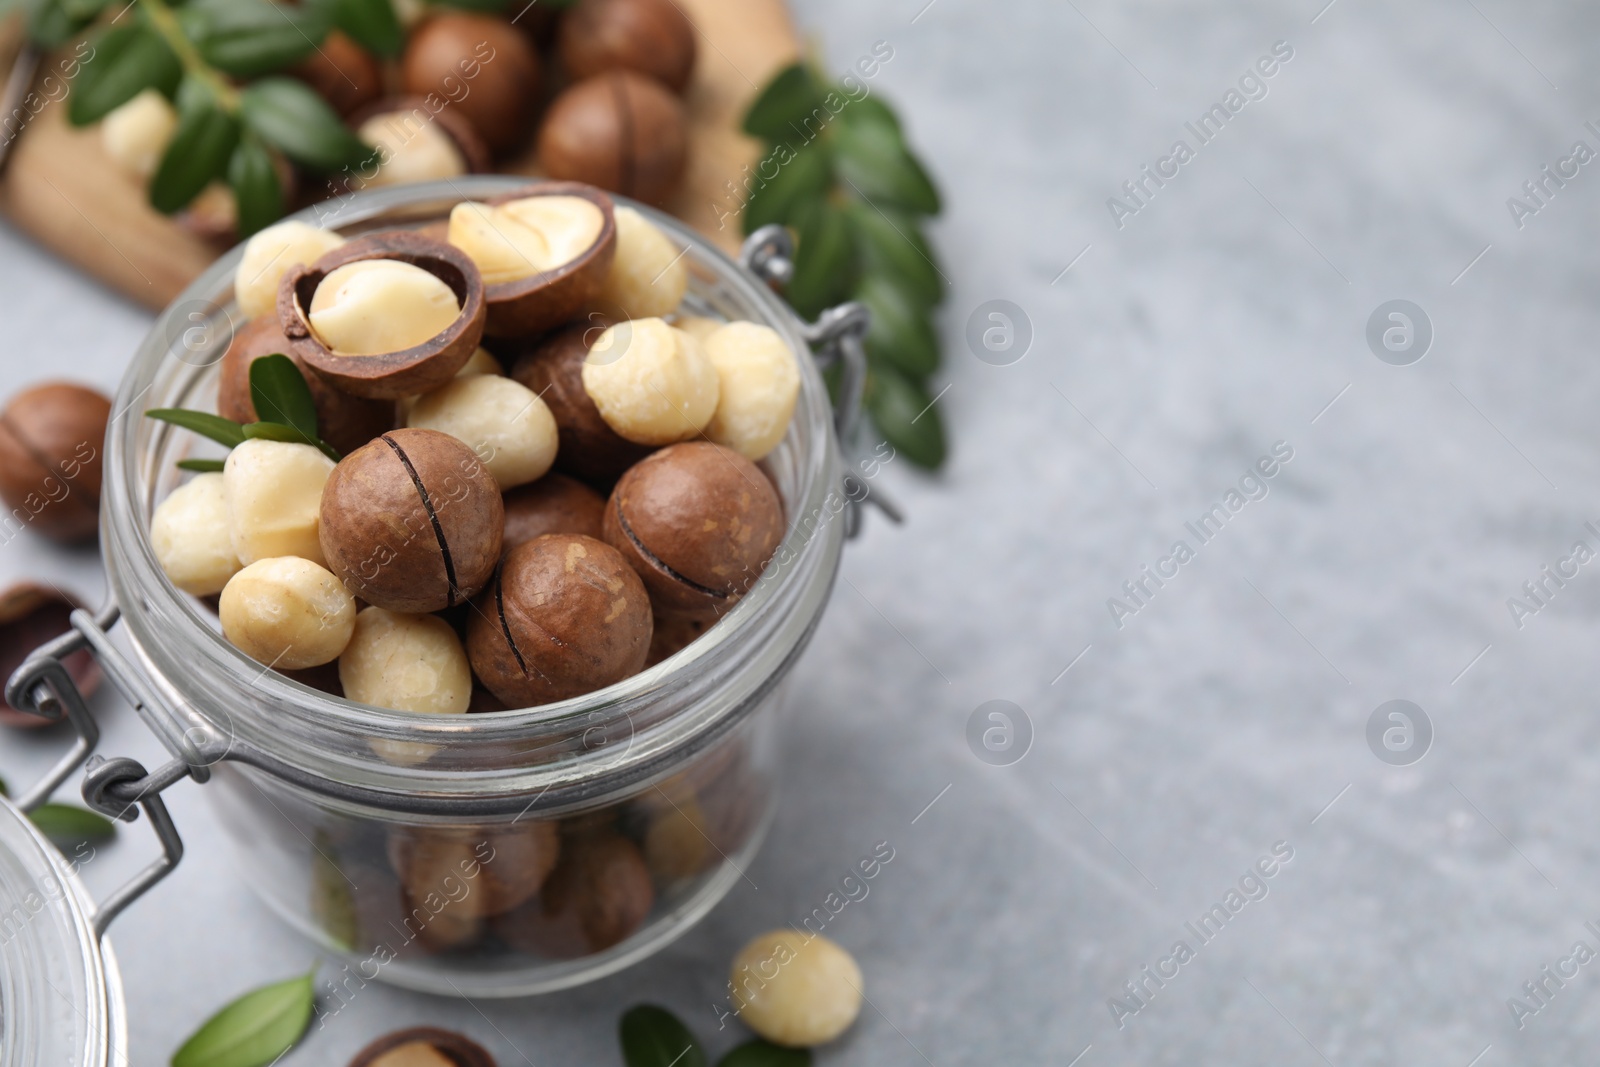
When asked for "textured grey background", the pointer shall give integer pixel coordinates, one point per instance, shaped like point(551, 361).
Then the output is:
point(1230, 712)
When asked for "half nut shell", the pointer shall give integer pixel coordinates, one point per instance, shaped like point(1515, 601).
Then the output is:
point(461, 132)
point(391, 375)
point(549, 298)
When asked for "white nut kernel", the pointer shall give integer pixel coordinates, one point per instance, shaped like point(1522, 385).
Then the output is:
point(525, 237)
point(288, 613)
point(480, 362)
point(273, 494)
point(189, 533)
point(698, 326)
point(136, 134)
point(503, 421)
point(267, 258)
point(411, 148)
point(374, 306)
point(406, 662)
point(648, 275)
point(758, 384)
point(652, 383)
point(798, 991)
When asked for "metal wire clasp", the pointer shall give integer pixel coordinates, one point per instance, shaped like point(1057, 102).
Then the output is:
point(837, 336)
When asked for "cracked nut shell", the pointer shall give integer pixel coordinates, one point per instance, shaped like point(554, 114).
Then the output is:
point(565, 616)
point(646, 36)
point(587, 447)
point(411, 117)
point(598, 895)
point(423, 1046)
point(698, 522)
point(621, 131)
point(390, 375)
point(52, 438)
point(344, 421)
point(493, 59)
point(411, 522)
point(553, 504)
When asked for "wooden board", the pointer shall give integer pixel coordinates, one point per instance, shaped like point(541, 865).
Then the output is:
point(60, 188)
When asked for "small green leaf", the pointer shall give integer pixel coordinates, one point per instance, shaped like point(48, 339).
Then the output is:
point(891, 244)
point(874, 162)
point(871, 111)
point(202, 465)
point(255, 184)
point(906, 416)
point(292, 118)
point(128, 59)
point(653, 1037)
point(249, 38)
point(199, 151)
point(371, 24)
point(789, 99)
point(68, 826)
point(221, 430)
point(254, 1030)
point(760, 1053)
point(280, 394)
point(277, 431)
point(805, 177)
point(824, 261)
point(901, 333)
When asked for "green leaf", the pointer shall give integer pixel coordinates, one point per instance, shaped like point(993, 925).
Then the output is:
point(255, 184)
point(806, 177)
point(371, 24)
point(249, 38)
point(202, 465)
point(874, 161)
point(789, 98)
point(901, 333)
point(128, 59)
point(653, 1037)
point(824, 261)
point(292, 118)
point(906, 416)
point(891, 245)
point(68, 826)
point(871, 111)
point(221, 430)
point(277, 431)
point(254, 1030)
point(759, 1053)
point(199, 152)
point(280, 394)
point(51, 25)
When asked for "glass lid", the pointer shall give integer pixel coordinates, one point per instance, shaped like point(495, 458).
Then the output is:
point(60, 1001)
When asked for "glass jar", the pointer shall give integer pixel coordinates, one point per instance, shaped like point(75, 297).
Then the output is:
point(60, 991)
point(491, 854)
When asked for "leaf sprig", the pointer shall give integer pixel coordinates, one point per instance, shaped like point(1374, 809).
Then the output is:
point(854, 194)
point(276, 387)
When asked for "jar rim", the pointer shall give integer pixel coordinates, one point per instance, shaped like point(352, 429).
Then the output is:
point(184, 653)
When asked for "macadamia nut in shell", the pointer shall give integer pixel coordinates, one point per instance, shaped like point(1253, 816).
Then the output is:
point(189, 532)
point(287, 613)
point(758, 383)
point(273, 493)
point(267, 258)
point(504, 422)
point(652, 383)
point(813, 994)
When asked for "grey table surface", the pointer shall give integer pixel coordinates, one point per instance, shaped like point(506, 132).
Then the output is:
point(1229, 713)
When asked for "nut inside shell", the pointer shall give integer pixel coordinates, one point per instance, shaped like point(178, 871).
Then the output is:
point(388, 375)
point(447, 1047)
point(413, 114)
point(546, 298)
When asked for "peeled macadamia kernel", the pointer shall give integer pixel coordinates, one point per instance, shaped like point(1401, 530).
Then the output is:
point(410, 152)
point(648, 275)
point(758, 383)
point(375, 306)
point(504, 422)
point(698, 326)
point(812, 998)
point(480, 362)
point(525, 237)
point(405, 662)
point(267, 258)
point(189, 533)
point(137, 133)
point(273, 493)
point(288, 613)
point(652, 384)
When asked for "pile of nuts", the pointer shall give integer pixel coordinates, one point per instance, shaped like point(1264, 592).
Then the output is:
point(595, 89)
point(549, 477)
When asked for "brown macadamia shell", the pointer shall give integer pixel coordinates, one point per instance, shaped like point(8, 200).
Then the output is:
point(52, 443)
point(564, 616)
point(483, 66)
point(651, 37)
point(621, 131)
point(411, 522)
point(698, 522)
point(343, 73)
point(553, 504)
point(503, 867)
point(454, 1048)
point(598, 895)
